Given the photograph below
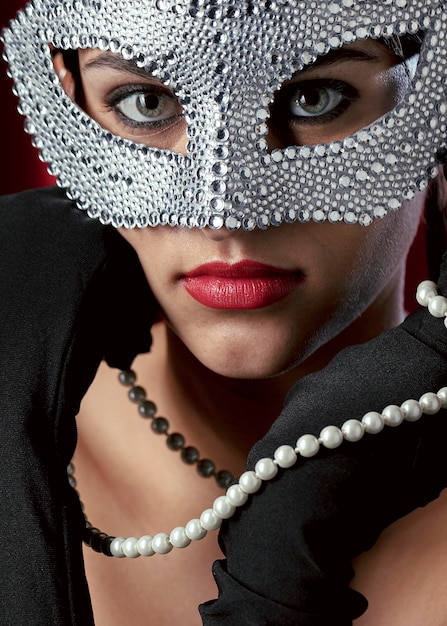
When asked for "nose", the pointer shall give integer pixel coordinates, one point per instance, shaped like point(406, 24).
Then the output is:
point(221, 234)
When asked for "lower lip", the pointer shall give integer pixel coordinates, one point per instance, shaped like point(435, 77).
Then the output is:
point(242, 293)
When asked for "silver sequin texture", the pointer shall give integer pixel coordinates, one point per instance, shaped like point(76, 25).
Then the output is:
point(224, 60)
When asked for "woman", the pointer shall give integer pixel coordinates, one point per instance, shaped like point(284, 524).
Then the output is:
point(247, 309)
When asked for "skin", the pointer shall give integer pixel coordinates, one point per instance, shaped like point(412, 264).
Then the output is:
point(351, 290)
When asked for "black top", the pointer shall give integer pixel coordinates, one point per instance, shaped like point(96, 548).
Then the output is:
point(72, 293)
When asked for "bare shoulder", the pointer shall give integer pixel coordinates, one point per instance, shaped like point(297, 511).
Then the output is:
point(404, 576)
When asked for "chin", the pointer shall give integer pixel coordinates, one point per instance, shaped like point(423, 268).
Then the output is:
point(269, 355)
point(251, 347)
point(248, 363)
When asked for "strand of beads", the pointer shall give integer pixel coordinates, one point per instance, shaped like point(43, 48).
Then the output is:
point(285, 456)
point(427, 295)
point(250, 482)
point(175, 441)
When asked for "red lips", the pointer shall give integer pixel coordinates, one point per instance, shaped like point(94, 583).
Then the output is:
point(243, 285)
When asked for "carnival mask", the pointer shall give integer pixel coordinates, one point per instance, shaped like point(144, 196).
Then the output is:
point(226, 62)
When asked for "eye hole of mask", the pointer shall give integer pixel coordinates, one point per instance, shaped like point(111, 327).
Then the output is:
point(123, 98)
point(343, 92)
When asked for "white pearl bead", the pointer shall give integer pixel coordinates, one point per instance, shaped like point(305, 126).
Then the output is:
point(411, 410)
point(285, 456)
point(130, 548)
point(249, 482)
point(161, 543)
point(442, 395)
point(353, 430)
point(307, 446)
point(194, 530)
point(266, 469)
point(178, 538)
point(331, 437)
point(430, 403)
point(425, 291)
point(373, 422)
point(445, 322)
point(392, 415)
point(236, 495)
point(223, 508)
point(438, 306)
point(116, 547)
point(144, 546)
point(209, 520)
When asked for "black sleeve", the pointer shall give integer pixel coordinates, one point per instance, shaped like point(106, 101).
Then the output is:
point(289, 550)
point(72, 292)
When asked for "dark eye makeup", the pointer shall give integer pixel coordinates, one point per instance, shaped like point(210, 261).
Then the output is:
point(316, 101)
point(144, 106)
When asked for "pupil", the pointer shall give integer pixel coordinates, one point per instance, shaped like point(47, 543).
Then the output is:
point(311, 98)
point(151, 101)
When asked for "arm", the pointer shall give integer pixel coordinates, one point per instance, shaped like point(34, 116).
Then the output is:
point(72, 293)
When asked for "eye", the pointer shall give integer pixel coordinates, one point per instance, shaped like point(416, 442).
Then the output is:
point(143, 107)
point(314, 101)
point(313, 98)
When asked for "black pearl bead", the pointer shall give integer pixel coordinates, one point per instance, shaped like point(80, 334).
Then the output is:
point(160, 425)
point(106, 544)
point(96, 541)
point(190, 455)
point(175, 441)
point(137, 394)
point(147, 408)
point(89, 533)
point(127, 377)
point(224, 478)
point(206, 468)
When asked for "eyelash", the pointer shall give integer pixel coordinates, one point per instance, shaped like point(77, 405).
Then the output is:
point(285, 95)
point(116, 97)
point(281, 104)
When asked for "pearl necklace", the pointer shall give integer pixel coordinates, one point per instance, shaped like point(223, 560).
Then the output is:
point(285, 456)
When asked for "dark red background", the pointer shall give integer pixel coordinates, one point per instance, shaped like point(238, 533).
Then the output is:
point(21, 168)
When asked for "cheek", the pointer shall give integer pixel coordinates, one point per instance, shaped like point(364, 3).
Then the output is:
point(386, 245)
point(365, 263)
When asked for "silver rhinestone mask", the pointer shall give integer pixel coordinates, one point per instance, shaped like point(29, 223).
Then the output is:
point(224, 60)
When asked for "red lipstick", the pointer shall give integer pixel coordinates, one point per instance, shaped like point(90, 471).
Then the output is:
point(239, 286)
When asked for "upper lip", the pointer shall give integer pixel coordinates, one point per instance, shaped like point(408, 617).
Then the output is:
point(242, 269)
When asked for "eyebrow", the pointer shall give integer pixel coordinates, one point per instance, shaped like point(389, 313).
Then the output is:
point(114, 61)
point(341, 55)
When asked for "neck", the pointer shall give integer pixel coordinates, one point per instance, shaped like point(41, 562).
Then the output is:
point(237, 409)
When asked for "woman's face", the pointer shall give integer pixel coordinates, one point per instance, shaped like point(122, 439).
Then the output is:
point(252, 305)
